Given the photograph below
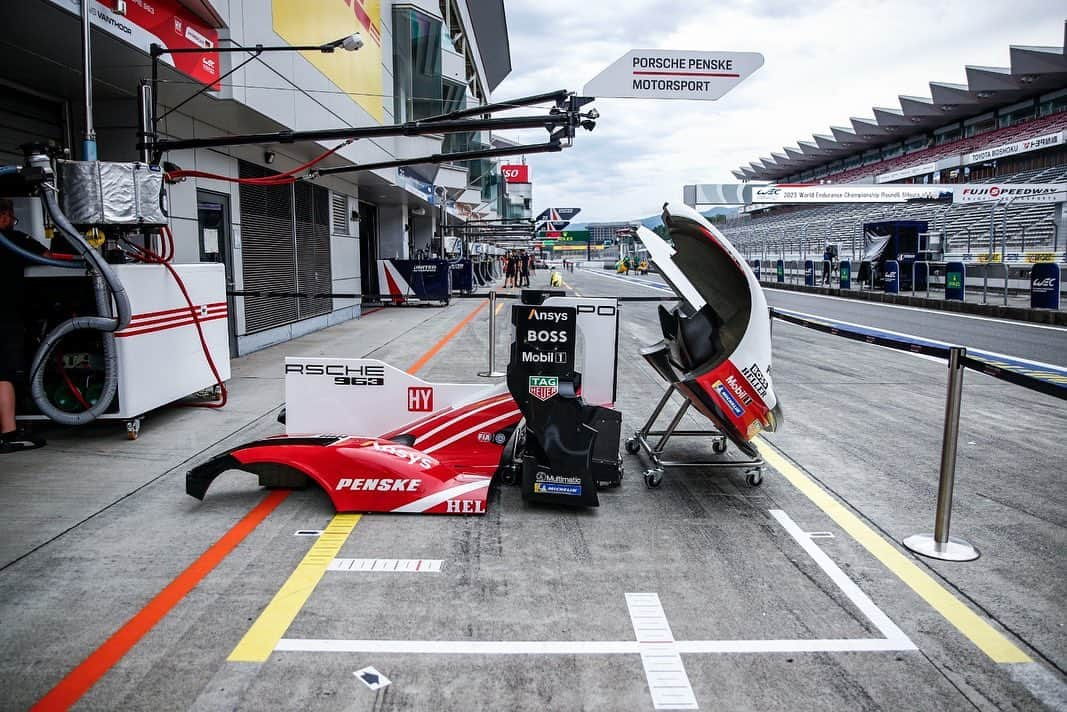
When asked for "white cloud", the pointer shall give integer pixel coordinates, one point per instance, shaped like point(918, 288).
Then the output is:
point(825, 61)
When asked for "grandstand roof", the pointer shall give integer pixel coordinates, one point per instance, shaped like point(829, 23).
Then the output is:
point(1033, 70)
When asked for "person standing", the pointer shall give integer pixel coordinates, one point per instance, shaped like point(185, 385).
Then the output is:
point(524, 267)
point(12, 329)
point(827, 259)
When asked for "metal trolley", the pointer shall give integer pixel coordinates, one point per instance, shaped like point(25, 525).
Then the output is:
point(653, 476)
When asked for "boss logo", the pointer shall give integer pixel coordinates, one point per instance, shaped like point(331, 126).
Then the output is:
point(546, 336)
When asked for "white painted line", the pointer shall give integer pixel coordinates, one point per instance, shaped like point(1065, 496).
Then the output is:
point(829, 645)
point(971, 351)
point(588, 647)
point(628, 280)
point(1010, 322)
point(410, 566)
point(854, 593)
point(664, 671)
point(462, 647)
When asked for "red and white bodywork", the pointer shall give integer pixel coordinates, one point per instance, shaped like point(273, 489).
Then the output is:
point(725, 369)
point(429, 448)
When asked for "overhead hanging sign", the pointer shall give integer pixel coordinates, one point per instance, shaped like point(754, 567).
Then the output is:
point(163, 22)
point(674, 74)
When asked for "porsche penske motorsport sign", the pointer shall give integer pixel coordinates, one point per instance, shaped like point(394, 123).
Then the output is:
point(674, 74)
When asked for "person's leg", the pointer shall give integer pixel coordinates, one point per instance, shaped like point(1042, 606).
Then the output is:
point(7, 406)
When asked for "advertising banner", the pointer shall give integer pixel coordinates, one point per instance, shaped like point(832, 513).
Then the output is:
point(779, 268)
point(517, 173)
point(846, 193)
point(1045, 286)
point(906, 173)
point(1016, 192)
point(358, 74)
point(809, 273)
point(164, 22)
point(1010, 149)
point(955, 280)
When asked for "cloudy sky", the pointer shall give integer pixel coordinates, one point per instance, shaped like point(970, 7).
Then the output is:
point(825, 61)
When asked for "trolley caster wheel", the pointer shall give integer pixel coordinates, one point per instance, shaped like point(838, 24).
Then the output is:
point(653, 478)
point(719, 446)
point(133, 428)
point(754, 478)
point(632, 446)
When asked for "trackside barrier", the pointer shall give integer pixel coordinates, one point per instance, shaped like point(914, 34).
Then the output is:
point(809, 273)
point(920, 277)
point(1045, 286)
point(891, 277)
point(939, 545)
point(779, 268)
point(955, 281)
point(845, 274)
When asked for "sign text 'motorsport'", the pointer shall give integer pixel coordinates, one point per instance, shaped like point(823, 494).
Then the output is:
point(674, 74)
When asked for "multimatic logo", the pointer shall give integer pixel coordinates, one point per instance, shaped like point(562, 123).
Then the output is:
point(367, 375)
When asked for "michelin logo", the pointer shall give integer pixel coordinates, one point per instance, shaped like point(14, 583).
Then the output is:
point(728, 398)
point(551, 488)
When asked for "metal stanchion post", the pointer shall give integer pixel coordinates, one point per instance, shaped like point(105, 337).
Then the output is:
point(492, 372)
point(940, 545)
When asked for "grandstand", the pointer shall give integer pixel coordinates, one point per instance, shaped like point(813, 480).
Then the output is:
point(1007, 125)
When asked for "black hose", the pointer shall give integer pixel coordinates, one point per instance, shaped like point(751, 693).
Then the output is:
point(104, 281)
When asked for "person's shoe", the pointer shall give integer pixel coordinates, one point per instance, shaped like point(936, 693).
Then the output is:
point(18, 440)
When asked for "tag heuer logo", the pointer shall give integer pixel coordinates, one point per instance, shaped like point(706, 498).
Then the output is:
point(544, 387)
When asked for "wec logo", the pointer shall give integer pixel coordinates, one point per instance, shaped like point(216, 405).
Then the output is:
point(1044, 283)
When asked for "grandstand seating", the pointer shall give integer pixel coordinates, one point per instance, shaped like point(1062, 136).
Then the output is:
point(966, 228)
point(1010, 134)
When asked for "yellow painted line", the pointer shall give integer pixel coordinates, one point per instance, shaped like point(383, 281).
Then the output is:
point(260, 640)
point(977, 629)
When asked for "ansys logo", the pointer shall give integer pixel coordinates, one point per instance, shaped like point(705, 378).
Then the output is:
point(544, 387)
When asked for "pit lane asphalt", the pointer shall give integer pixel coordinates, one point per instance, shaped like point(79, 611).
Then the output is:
point(1035, 342)
point(864, 421)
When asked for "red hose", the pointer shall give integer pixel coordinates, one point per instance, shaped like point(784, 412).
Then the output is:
point(279, 179)
point(70, 384)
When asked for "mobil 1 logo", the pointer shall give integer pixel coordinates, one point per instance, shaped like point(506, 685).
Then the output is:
point(545, 338)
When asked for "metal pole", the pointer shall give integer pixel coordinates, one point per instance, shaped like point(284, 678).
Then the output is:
point(492, 372)
point(940, 545)
point(989, 252)
point(144, 117)
point(89, 141)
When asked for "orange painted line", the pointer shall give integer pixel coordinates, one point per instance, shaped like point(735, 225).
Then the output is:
point(447, 337)
point(78, 681)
